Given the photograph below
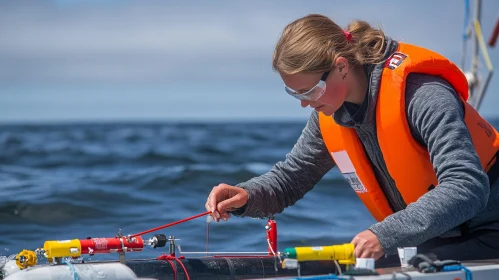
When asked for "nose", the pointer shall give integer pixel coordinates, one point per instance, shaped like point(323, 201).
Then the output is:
point(304, 103)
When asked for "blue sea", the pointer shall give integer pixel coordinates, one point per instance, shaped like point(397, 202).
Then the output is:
point(73, 181)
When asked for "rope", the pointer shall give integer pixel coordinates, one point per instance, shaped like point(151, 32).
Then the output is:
point(426, 264)
point(466, 32)
point(207, 236)
point(173, 268)
point(169, 258)
point(72, 269)
point(469, 275)
point(171, 224)
point(270, 246)
point(187, 273)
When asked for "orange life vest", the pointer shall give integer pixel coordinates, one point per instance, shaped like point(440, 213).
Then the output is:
point(407, 162)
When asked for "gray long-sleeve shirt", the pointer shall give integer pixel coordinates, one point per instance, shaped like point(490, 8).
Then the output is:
point(435, 117)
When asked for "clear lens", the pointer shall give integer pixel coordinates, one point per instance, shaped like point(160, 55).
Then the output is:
point(311, 95)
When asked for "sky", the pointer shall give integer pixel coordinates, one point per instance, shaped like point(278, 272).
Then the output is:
point(119, 60)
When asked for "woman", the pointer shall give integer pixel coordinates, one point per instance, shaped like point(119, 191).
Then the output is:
point(394, 118)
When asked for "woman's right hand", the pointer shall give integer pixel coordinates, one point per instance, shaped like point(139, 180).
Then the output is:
point(224, 198)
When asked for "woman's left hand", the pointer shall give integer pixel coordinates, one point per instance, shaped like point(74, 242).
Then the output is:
point(367, 245)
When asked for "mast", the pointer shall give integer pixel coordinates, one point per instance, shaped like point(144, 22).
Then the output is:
point(477, 83)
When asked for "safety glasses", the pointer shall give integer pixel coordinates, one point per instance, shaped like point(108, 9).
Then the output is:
point(310, 95)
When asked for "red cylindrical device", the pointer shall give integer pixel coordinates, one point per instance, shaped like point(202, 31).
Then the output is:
point(272, 236)
point(111, 245)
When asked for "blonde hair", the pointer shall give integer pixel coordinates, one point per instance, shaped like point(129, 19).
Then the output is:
point(314, 42)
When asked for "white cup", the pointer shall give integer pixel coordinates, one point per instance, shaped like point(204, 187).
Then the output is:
point(364, 263)
point(406, 254)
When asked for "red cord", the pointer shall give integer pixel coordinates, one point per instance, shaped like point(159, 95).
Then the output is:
point(207, 234)
point(168, 258)
point(173, 268)
point(171, 224)
point(185, 270)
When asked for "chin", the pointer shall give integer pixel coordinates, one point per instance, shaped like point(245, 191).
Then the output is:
point(327, 112)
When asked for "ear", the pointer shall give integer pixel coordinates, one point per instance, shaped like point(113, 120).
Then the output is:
point(342, 64)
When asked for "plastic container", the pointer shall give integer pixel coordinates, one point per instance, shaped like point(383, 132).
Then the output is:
point(406, 254)
point(365, 263)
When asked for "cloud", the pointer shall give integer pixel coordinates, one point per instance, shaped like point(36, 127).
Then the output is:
point(53, 54)
point(128, 43)
point(160, 42)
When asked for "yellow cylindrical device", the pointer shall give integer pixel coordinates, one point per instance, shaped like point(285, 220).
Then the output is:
point(62, 248)
point(344, 253)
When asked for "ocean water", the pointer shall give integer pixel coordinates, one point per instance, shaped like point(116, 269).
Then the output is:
point(61, 182)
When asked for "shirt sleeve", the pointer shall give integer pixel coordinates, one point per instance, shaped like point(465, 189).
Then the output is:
point(289, 180)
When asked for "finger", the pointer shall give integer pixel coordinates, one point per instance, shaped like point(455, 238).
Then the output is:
point(225, 216)
point(212, 214)
point(358, 251)
point(207, 206)
point(366, 254)
point(359, 248)
point(213, 198)
point(230, 203)
point(355, 241)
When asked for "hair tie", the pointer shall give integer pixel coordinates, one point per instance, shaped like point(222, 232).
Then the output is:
point(348, 35)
